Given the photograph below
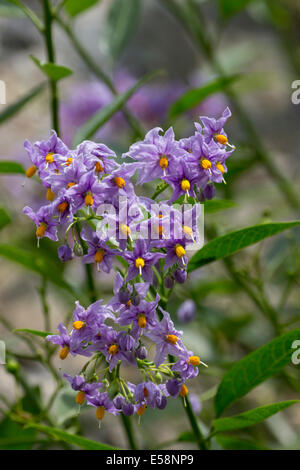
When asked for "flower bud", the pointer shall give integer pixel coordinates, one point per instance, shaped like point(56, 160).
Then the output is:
point(158, 377)
point(173, 387)
point(186, 311)
point(169, 282)
point(128, 409)
point(124, 295)
point(161, 402)
point(141, 352)
point(180, 276)
point(136, 299)
point(78, 250)
point(65, 253)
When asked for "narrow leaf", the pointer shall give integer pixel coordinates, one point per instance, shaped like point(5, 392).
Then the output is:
point(14, 108)
point(73, 439)
point(254, 369)
point(231, 7)
point(53, 71)
point(42, 334)
point(105, 113)
point(75, 7)
point(195, 96)
point(249, 418)
point(233, 242)
point(11, 167)
point(233, 443)
point(4, 218)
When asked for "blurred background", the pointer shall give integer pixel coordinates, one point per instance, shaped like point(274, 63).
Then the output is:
point(260, 44)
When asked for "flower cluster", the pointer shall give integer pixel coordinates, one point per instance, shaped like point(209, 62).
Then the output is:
point(93, 206)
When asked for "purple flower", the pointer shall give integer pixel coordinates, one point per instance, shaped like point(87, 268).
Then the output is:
point(166, 338)
point(157, 155)
point(98, 251)
point(186, 311)
point(43, 219)
point(140, 289)
point(102, 400)
point(214, 128)
point(173, 387)
point(143, 316)
point(78, 383)
point(68, 177)
point(97, 157)
point(116, 346)
point(88, 192)
point(148, 393)
point(175, 253)
point(65, 253)
point(182, 180)
point(180, 275)
point(118, 183)
point(141, 261)
point(70, 343)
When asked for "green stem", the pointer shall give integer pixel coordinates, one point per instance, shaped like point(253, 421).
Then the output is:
point(128, 428)
point(90, 283)
point(100, 74)
point(194, 424)
point(51, 58)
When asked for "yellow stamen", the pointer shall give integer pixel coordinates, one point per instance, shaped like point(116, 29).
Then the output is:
point(194, 360)
point(185, 185)
point(163, 162)
point(69, 185)
point(172, 339)
point(146, 393)
point(113, 349)
point(69, 161)
point(139, 263)
point(128, 303)
point(62, 207)
point(222, 139)
point(120, 182)
point(125, 229)
point(40, 231)
point(160, 229)
point(80, 398)
point(180, 251)
point(49, 157)
point(206, 165)
point(183, 391)
point(50, 195)
point(98, 258)
point(98, 167)
point(100, 412)
point(188, 230)
point(31, 171)
point(64, 352)
point(141, 410)
point(220, 168)
point(78, 325)
point(88, 200)
point(142, 322)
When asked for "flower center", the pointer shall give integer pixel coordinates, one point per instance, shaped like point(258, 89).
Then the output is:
point(30, 171)
point(163, 162)
point(194, 360)
point(69, 161)
point(146, 393)
point(98, 167)
point(62, 207)
point(120, 182)
point(185, 185)
point(99, 256)
point(172, 339)
point(206, 165)
point(78, 324)
point(188, 230)
point(125, 229)
point(50, 195)
point(180, 251)
point(113, 349)
point(220, 168)
point(49, 157)
point(41, 230)
point(141, 410)
point(222, 139)
point(100, 412)
point(183, 391)
point(128, 303)
point(142, 322)
point(139, 263)
point(88, 199)
point(69, 185)
point(80, 397)
point(64, 352)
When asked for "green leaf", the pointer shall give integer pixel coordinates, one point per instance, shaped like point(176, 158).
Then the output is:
point(11, 167)
point(232, 443)
point(35, 261)
point(249, 418)
point(75, 7)
point(195, 96)
point(14, 437)
point(233, 242)
point(10, 11)
point(105, 113)
point(4, 218)
point(216, 205)
point(121, 24)
point(53, 71)
point(254, 369)
point(42, 334)
point(73, 439)
point(186, 436)
point(231, 7)
point(14, 108)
